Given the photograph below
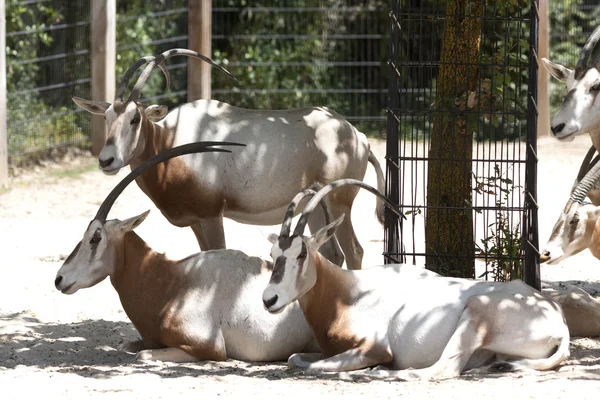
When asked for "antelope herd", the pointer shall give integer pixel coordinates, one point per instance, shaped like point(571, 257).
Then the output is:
point(207, 160)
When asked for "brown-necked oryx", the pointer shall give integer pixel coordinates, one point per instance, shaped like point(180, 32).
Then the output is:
point(286, 151)
point(204, 307)
point(406, 316)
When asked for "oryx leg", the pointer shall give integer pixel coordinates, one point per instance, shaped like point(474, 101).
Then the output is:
point(330, 250)
point(341, 203)
point(349, 360)
point(170, 354)
point(134, 346)
point(210, 233)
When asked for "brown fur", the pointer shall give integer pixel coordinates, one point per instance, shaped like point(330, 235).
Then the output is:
point(169, 184)
point(326, 306)
point(154, 312)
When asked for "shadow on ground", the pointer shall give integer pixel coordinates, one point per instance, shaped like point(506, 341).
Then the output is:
point(90, 348)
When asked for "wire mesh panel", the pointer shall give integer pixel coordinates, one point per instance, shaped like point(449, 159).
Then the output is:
point(149, 27)
point(47, 61)
point(461, 135)
point(289, 54)
point(571, 23)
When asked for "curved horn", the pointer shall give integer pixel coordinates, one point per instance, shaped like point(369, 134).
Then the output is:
point(586, 52)
point(137, 89)
point(586, 183)
point(585, 164)
point(197, 147)
point(324, 191)
point(291, 210)
point(131, 71)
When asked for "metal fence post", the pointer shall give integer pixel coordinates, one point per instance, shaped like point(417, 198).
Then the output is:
point(199, 39)
point(3, 132)
point(543, 104)
point(103, 58)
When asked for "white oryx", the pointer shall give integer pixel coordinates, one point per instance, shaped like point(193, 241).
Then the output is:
point(579, 112)
point(408, 317)
point(286, 151)
point(204, 307)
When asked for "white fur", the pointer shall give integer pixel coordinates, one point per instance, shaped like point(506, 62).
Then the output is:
point(415, 318)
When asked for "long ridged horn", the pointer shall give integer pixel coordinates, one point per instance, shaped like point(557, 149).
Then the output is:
point(131, 71)
point(586, 52)
point(585, 164)
point(324, 191)
point(291, 210)
point(137, 89)
point(586, 183)
point(196, 147)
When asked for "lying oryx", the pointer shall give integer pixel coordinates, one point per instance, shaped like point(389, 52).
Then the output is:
point(204, 307)
point(286, 151)
point(576, 228)
point(406, 316)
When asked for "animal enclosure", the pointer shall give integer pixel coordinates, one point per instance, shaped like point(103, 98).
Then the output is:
point(461, 155)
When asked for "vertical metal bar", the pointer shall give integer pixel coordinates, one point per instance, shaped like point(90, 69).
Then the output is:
point(543, 101)
point(103, 49)
point(391, 237)
point(531, 270)
point(3, 132)
point(200, 40)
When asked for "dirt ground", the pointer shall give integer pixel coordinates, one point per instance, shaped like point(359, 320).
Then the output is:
point(65, 347)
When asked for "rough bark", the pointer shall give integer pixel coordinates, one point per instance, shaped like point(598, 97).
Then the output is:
point(449, 222)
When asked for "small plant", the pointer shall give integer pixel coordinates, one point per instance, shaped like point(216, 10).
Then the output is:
point(501, 249)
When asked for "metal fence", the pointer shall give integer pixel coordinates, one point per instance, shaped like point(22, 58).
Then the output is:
point(47, 61)
point(285, 53)
point(462, 138)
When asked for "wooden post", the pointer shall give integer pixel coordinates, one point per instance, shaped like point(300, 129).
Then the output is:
point(199, 39)
point(3, 113)
point(543, 104)
point(103, 48)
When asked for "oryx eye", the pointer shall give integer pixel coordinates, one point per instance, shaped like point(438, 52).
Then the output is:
point(302, 253)
point(595, 87)
point(96, 238)
point(575, 219)
point(135, 120)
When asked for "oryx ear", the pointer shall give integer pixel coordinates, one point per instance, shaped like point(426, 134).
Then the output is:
point(133, 222)
point(326, 232)
point(558, 71)
point(272, 238)
point(156, 111)
point(95, 107)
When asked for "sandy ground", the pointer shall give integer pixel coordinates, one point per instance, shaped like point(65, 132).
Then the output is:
point(65, 347)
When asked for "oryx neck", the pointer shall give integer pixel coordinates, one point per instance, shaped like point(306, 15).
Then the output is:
point(595, 242)
point(327, 305)
point(136, 262)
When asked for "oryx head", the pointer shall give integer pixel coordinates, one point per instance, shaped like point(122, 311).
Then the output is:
point(295, 256)
point(580, 110)
point(93, 259)
point(128, 120)
point(575, 226)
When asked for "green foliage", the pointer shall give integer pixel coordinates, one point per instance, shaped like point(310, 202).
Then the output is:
point(502, 250)
point(140, 33)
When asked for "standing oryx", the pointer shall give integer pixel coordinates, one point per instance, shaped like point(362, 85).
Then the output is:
point(580, 110)
point(406, 316)
point(204, 307)
point(286, 151)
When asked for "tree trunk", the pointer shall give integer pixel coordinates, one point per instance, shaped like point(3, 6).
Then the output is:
point(449, 222)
